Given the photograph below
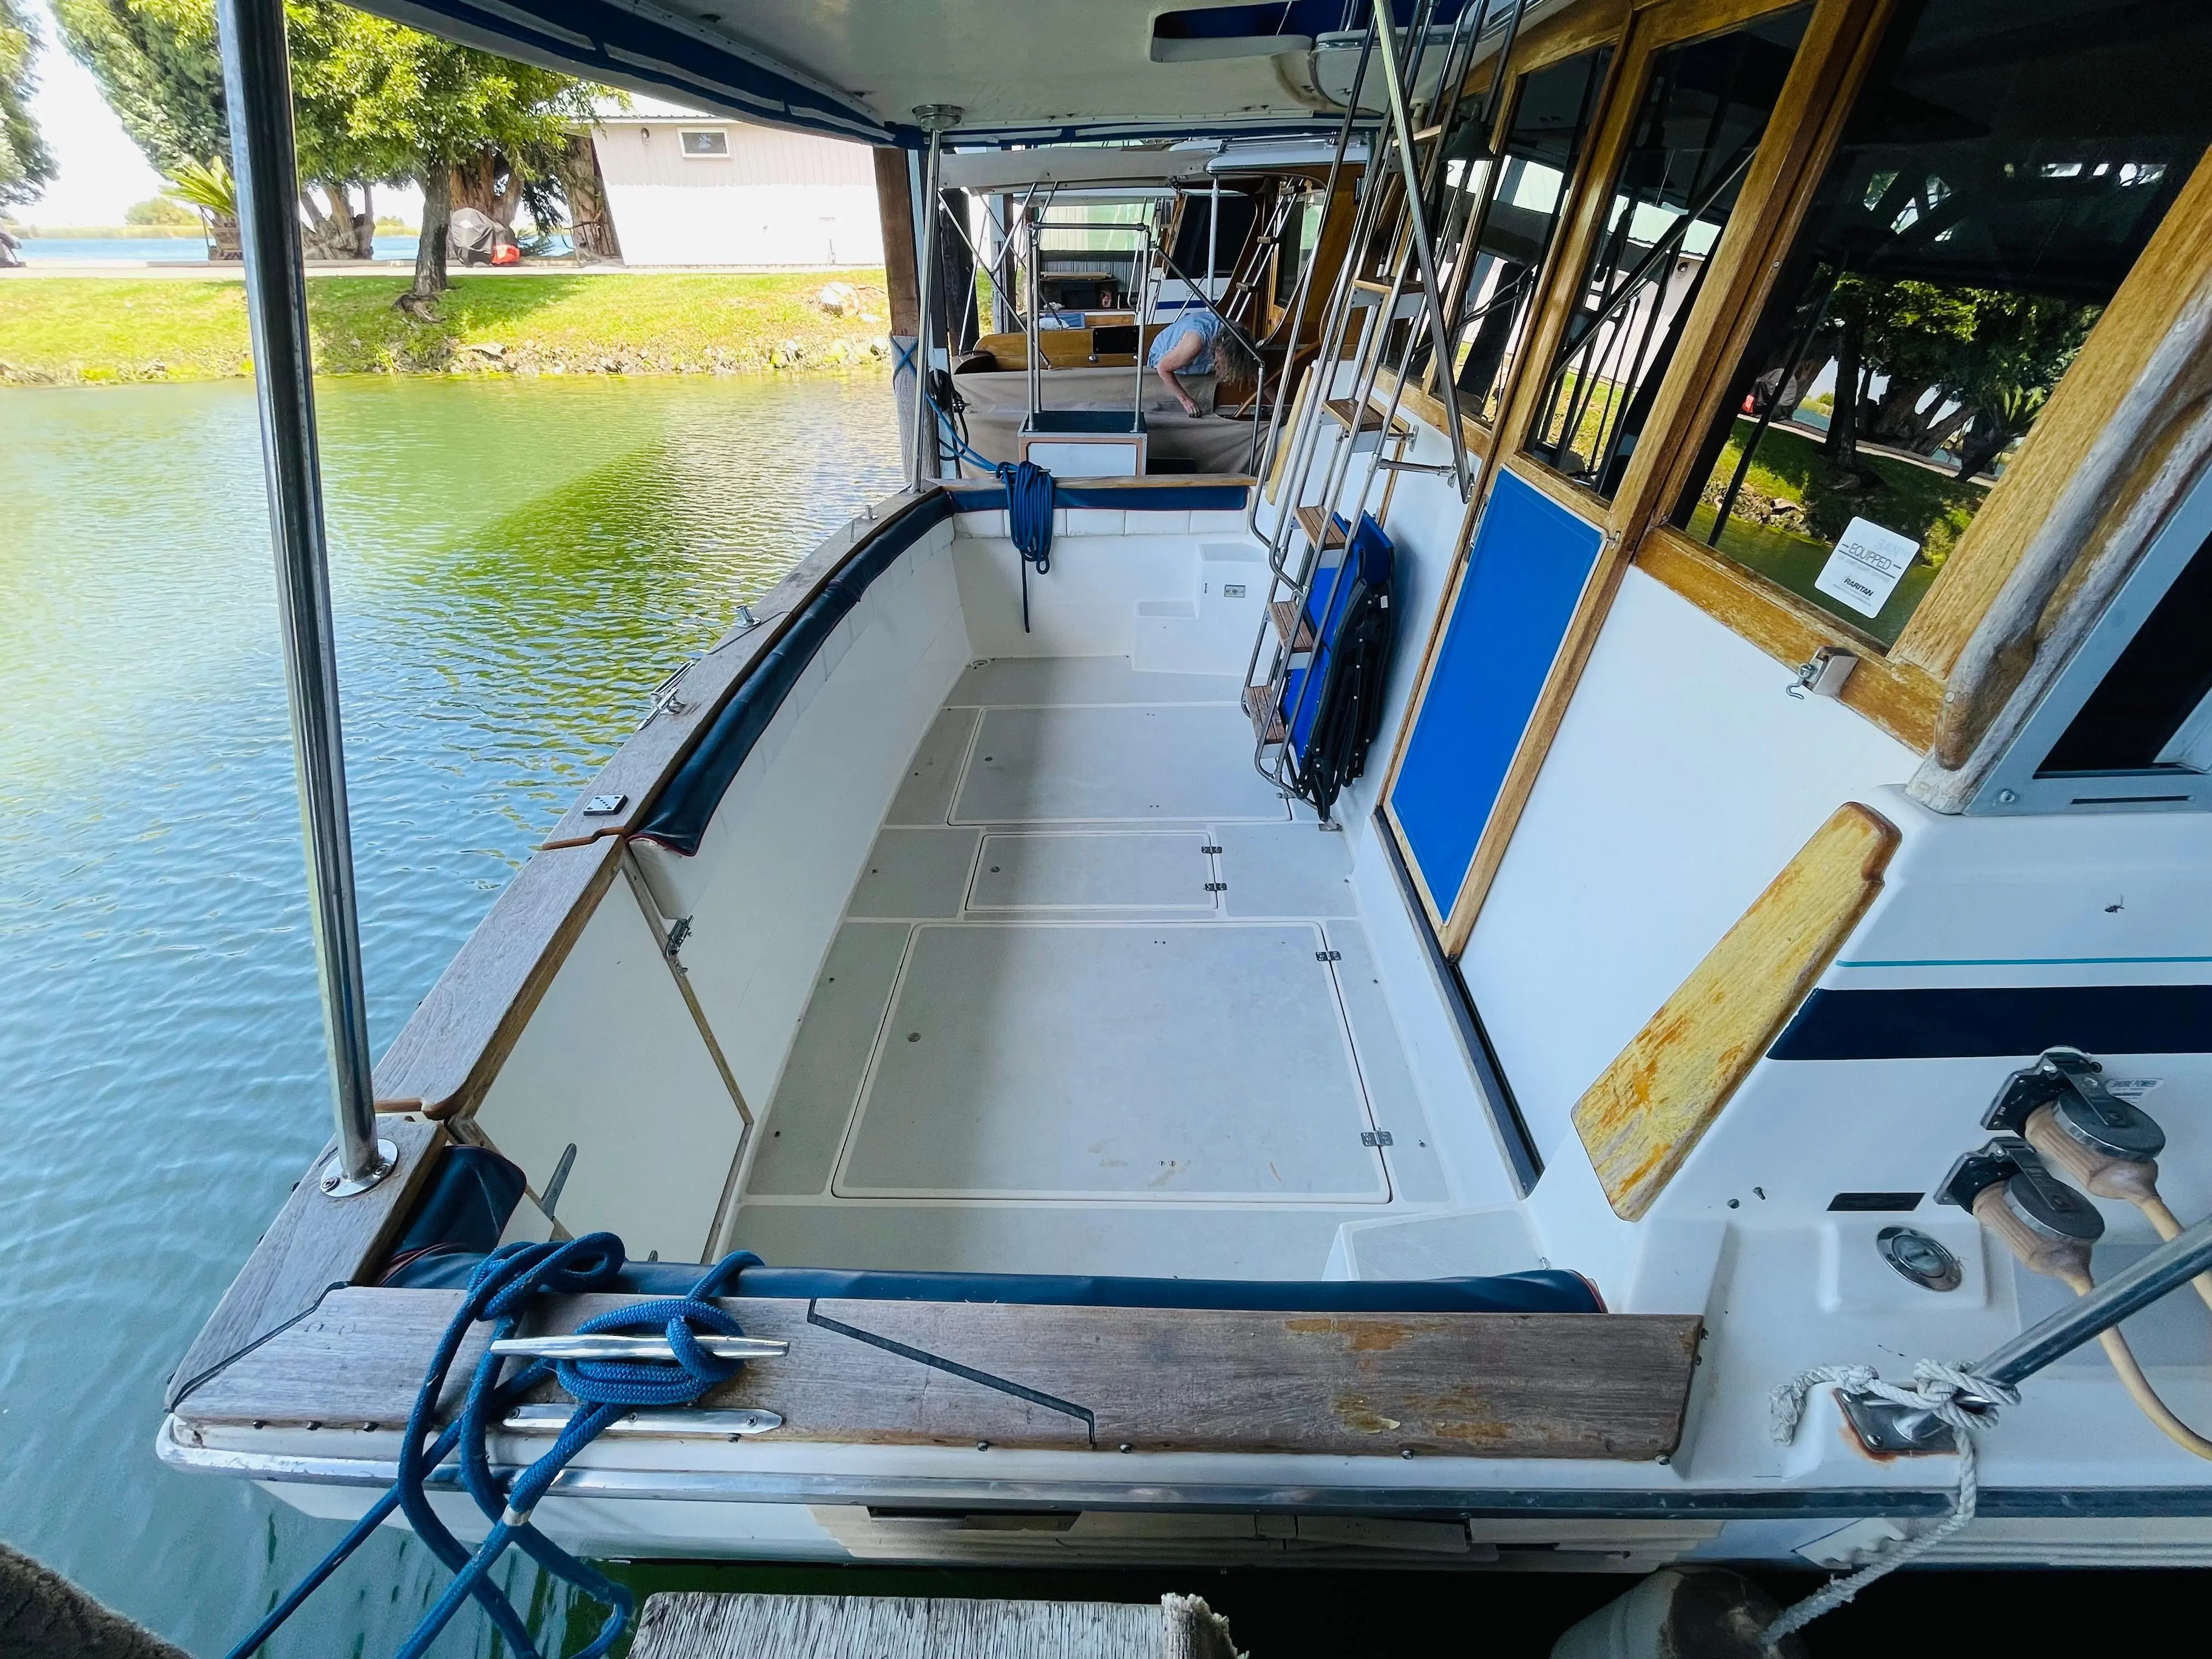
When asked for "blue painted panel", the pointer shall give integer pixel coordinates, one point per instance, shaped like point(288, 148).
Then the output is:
point(1525, 571)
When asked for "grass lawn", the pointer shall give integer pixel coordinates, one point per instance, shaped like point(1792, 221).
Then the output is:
point(1932, 509)
point(80, 330)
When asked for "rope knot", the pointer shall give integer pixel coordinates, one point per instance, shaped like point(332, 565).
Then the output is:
point(683, 1319)
point(1954, 1396)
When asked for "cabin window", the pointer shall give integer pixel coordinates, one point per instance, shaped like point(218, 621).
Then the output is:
point(1508, 211)
point(2153, 710)
point(1238, 210)
point(1696, 128)
point(706, 143)
point(1997, 177)
point(1300, 238)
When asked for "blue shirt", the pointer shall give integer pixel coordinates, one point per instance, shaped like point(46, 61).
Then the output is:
point(1197, 320)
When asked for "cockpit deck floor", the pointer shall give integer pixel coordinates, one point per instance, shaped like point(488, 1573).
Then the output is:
point(1093, 964)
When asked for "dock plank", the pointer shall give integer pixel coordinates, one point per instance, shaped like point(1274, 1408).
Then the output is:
point(1155, 1379)
point(689, 1624)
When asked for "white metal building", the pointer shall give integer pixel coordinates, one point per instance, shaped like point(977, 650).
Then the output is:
point(686, 190)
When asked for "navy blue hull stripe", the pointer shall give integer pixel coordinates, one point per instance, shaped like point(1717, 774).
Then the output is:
point(2009, 1021)
point(687, 804)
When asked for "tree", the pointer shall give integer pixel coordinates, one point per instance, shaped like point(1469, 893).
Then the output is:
point(160, 210)
point(441, 112)
point(161, 67)
point(25, 164)
point(156, 65)
point(1915, 334)
point(373, 101)
point(1847, 325)
point(2022, 343)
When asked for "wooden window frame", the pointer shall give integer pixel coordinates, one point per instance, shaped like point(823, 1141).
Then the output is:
point(1840, 38)
point(1567, 34)
point(1907, 691)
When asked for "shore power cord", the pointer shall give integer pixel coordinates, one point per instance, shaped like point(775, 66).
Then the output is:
point(2058, 1114)
point(501, 1292)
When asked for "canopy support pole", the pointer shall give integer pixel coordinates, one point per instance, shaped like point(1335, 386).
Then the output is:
point(257, 85)
point(935, 119)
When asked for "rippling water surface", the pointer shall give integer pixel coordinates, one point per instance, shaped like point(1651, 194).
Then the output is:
point(516, 565)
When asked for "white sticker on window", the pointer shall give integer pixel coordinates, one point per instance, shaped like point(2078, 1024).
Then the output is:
point(1866, 566)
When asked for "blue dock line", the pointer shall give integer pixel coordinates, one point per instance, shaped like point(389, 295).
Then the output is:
point(607, 1389)
point(1029, 502)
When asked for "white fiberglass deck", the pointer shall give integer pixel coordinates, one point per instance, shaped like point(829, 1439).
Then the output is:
point(1100, 1002)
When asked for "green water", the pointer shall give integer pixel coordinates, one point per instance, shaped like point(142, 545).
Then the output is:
point(516, 565)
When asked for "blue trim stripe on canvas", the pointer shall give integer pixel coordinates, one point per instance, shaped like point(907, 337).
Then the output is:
point(698, 69)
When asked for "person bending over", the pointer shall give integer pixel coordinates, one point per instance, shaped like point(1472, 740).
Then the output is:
point(1185, 346)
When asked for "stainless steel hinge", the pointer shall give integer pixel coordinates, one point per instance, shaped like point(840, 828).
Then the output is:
point(1216, 887)
point(1375, 1138)
point(1328, 955)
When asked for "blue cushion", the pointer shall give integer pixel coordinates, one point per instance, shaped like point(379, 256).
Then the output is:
point(1546, 1291)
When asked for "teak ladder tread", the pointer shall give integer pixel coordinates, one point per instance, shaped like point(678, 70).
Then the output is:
point(1321, 529)
point(1371, 418)
point(1267, 719)
point(1293, 630)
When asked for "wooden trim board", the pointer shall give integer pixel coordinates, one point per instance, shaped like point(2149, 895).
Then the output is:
point(1644, 1116)
point(444, 1059)
point(314, 1244)
point(1610, 1386)
point(2089, 399)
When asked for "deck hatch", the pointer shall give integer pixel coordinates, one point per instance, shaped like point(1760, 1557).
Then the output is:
point(1126, 1061)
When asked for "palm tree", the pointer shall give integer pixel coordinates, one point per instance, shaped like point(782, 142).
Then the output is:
point(209, 186)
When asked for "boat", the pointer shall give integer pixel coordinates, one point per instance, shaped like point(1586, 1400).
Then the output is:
point(1640, 855)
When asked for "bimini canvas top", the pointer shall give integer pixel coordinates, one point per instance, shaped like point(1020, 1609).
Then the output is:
point(1021, 70)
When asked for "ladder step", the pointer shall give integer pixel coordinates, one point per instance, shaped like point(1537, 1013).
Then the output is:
point(1266, 719)
point(1322, 531)
point(1293, 630)
point(1371, 418)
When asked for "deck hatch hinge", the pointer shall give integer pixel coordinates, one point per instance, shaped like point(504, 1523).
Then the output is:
point(1216, 887)
point(1376, 1138)
point(1215, 850)
point(1328, 955)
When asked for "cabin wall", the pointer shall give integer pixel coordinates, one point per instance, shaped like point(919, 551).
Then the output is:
point(1105, 564)
point(779, 859)
point(1683, 778)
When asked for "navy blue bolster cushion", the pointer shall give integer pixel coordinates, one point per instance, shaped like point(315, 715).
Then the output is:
point(1546, 1291)
point(462, 1211)
point(465, 1208)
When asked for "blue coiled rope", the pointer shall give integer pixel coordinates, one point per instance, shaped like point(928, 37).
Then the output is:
point(500, 1292)
point(1029, 521)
